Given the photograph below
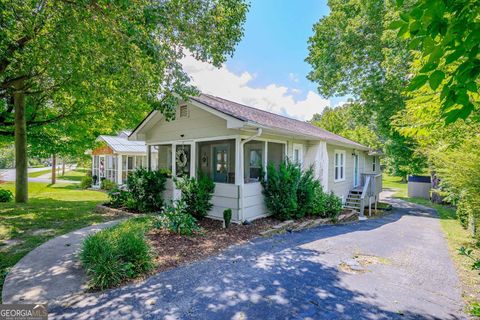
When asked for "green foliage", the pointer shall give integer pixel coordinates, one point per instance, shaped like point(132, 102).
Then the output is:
point(352, 121)
point(468, 252)
point(177, 219)
point(86, 182)
point(333, 205)
point(353, 52)
point(280, 189)
point(6, 195)
point(117, 254)
point(445, 36)
point(107, 185)
point(146, 188)
point(7, 156)
point(227, 217)
point(197, 194)
point(118, 197)
point(71, 64)
point(291, 193)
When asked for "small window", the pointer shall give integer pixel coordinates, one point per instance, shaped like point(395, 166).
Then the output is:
point(339, 165)
point(183, 111)
point(297, 153)
point(374, 164)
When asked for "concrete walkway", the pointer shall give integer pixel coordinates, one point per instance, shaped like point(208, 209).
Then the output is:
point(51, 272)
point(394, 267)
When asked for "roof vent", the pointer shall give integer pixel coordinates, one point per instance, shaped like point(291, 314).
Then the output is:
point(183, 111)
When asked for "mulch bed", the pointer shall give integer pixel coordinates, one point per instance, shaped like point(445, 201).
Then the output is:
point(172, 250)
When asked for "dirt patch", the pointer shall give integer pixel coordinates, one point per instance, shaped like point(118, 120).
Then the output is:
point(6, 245)
point(41, 232)
point(172, 250)
point(359, 263)
point(366, 260)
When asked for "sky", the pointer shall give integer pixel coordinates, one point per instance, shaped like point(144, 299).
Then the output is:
point(268, 69)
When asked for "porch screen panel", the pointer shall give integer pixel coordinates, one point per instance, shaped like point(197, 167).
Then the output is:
point(276, 153)
point(216, 159)
point(96, 163)
point(253, 156)
point(164, 157)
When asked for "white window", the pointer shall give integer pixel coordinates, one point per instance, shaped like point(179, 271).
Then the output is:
point(339, 165)
point(374, 164)
point(297, 153)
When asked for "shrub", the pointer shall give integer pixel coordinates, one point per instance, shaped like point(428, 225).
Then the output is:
point(178, 220)
point(333, 206)
point(308, 189)
point(116, 254)
point(6, 195)
point(107, 185)
point(197, 194)
point(280, 189)
point(118, 197)
point(320, 203)
point(86, 182)
point(227, 217)
point(95, 179)
point(146, 188)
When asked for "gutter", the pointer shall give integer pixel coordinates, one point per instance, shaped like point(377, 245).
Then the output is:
point(242, 169)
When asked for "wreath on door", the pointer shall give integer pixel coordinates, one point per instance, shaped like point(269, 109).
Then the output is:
point(181, 158)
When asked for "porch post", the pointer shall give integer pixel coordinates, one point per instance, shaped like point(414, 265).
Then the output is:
point(119, 169)
point(174, 162)
point(149, 157)
point(193, 159)
point(238, 165)
point(265, 160)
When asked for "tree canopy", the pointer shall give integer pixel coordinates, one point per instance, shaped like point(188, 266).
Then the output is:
point(80, 64)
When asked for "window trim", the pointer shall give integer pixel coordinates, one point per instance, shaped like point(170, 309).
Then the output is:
point(374, 164)
point(340, 166)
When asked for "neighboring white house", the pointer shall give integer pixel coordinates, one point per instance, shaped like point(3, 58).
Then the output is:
point(116, 157)
point(231, 142)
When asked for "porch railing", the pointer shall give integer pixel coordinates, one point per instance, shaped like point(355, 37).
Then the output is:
point(372, 186)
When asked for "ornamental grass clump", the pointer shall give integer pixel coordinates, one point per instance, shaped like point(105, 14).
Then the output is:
point(117, 254)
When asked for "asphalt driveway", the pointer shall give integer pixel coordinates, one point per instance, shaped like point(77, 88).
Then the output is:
point(395, 267)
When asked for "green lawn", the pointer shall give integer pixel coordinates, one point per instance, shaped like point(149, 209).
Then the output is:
point(51, 211)
point(455, 234)
point(37, 174)
point(74, 175)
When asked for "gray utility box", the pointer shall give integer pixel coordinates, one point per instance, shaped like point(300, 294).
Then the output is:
point(419, 186)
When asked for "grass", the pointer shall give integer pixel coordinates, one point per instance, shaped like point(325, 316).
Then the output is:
point(455, 235)
point(37, 174)
point(74, 175)
point(51, 211)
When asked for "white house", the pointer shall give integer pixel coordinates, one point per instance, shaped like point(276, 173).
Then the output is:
point(116, 157)
point(231, 142)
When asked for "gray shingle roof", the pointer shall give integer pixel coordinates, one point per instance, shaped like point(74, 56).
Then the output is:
point(271, 120)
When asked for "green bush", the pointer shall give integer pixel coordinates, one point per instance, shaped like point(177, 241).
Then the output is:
point(6, 195)
point(227, 217)
point(333, 206)
point(118, 197)
point(107, 185)
point(197, 194)
point(178, 220)
point(146, 188)
point(86, 182)
point(280, 189)
point(116, 254)
point(291, 193)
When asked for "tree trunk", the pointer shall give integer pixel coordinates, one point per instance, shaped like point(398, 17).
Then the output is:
point(54, 168)
point(21, 159)
point(63, 167)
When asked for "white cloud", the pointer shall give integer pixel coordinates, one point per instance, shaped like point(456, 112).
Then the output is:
point(293, 77)
point(273, 97)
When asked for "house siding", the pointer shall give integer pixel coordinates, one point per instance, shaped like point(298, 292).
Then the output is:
point(199, 124)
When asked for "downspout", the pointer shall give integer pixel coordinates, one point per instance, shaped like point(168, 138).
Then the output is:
point(242, 170)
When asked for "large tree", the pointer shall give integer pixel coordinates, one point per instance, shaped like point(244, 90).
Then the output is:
point(353, 52)
point(102, 61)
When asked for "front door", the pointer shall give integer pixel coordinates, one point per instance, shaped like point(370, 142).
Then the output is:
point(356, 175)
point(220, 163)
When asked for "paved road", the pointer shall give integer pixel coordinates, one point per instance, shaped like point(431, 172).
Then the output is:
point(303, 275)
point(9, 175)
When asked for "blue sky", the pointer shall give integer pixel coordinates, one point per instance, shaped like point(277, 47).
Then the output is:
point(268, 69)
point(274, 46)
